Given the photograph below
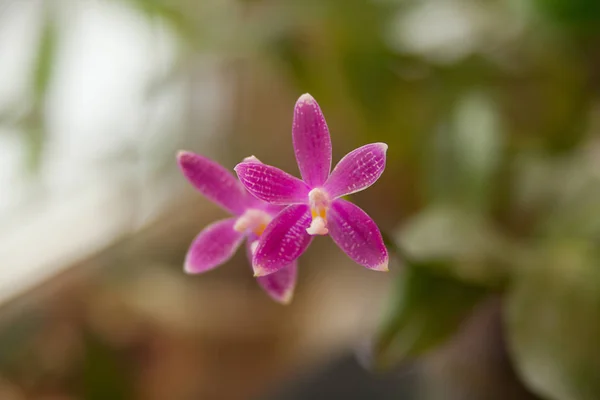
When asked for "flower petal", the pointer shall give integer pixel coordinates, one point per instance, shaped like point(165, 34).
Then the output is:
point(271, 184)
point(279, 285)
point(358, 170)
point(357, 235)
point(312, 143)
point(214, 182)
point(284, 240)
point(213, 246)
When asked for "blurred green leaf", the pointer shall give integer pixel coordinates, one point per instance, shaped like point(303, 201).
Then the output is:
point(34, 122)
point(465, 154)
point(581, 16)
point(461, 244)
point(104, 374)
point(365, 57)
point(562, 192)
point(425, 310)
point(478, 139)
point(173, 14)
point(17, 335)
point(45, 58)
point(553, 322)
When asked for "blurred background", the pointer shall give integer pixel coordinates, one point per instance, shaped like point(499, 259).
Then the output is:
point(491, 198)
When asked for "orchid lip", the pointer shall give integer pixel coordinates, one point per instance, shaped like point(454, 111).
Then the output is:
point(318, 226)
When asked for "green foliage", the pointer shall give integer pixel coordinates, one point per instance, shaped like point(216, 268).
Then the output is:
point(426, 309)
point(168, 11)
point(460, 244)
point(34, 122)
point(45, 57)
point(553, 321)
point(465, 154)
point(103, 373)
point(580, 16)
point(15, 339)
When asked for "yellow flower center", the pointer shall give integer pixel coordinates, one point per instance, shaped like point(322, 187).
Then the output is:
point(318, 201)
point(254, 221)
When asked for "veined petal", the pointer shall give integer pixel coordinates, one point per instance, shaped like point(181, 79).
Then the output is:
point(278, 285)
point(312, 143)
point(214, 182)
point(271, 184)
point(284, 240)
point(213, 246)
point(357, 235)
point(358, 170)
point(272, 209)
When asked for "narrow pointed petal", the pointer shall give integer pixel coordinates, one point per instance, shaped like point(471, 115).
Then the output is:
point(312, 143)
point(358, 170)
point(213, 246)
point(214, 182)
point(284, 240)
point(279, 285)
point(271, 184)
point(357, 235)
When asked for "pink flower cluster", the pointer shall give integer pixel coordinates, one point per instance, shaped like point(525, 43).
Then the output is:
point(279, 214)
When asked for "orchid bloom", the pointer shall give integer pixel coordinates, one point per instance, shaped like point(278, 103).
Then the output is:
point(314, 204)
point(219, 241)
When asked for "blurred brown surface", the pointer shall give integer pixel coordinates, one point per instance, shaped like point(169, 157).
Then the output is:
point(216, 336)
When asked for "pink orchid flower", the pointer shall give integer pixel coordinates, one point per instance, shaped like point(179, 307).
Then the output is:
point(219, 241)
point(314, 204)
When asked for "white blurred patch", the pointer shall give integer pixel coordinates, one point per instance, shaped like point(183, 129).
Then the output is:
point(441, 30)
point(478, 135)
point(115, 113)
point(445, 31)
point(98, 106)
point(19, 33)
point(12, 155)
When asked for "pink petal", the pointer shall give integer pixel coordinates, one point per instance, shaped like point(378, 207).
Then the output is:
point(213, 246)
point(312, 143)
point(214, 182)
point(284, 240)
point(278, 285)
point(358, 170)
point(271, 184)
point(357, 235)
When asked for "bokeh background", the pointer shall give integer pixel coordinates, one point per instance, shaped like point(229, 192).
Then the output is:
point(490, 198)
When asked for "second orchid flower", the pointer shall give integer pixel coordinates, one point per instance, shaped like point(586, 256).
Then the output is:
point(219, 241)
